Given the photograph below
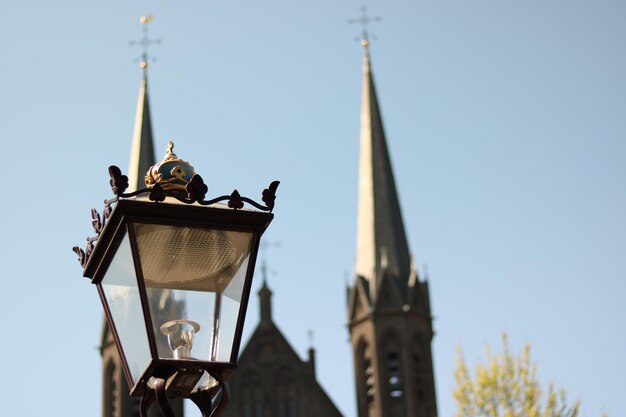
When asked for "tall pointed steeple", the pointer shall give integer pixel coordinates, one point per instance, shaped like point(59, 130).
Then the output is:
point(381, 240)
point(142, 151)
point(388, 306)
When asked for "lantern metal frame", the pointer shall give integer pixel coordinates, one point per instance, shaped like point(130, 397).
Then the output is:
point(172, 378)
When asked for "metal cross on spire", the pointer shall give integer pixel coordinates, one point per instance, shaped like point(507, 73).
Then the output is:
point(365, 20)
point(145, 41)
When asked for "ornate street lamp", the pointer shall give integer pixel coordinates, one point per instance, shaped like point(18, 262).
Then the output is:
point(174, 273)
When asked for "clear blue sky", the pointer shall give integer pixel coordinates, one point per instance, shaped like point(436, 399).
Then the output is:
point(505, 122)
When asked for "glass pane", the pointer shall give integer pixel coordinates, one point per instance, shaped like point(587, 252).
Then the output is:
point(229, 313)
point(194, 280)
point(120, 289)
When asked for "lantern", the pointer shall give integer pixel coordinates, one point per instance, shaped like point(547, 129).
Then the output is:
point(174, 273)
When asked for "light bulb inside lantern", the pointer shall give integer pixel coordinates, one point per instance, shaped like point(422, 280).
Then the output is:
point(180, 335)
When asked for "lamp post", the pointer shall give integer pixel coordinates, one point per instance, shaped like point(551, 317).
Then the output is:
point(174, 273)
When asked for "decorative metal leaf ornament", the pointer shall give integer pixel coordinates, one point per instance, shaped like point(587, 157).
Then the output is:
point(95, 220)
point(235, 201)
point(82, 258)
point(119, 182)
point(196, 188)
point(269, 194)
point(156, 193)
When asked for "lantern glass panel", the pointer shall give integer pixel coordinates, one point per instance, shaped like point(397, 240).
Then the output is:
point(194, 283)
point(122, 296)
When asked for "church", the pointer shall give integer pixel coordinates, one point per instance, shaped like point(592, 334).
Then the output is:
point(388, 306)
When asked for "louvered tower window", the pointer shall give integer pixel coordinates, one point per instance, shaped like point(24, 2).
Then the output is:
point(366, 373)
point(393, 371)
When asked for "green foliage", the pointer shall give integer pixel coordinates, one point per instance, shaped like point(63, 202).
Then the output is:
point(507, 386)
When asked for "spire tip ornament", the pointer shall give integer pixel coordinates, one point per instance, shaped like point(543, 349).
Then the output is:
point(145, 42)
point(365, 20)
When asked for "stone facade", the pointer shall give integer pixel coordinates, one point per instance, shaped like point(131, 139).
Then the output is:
point(271, 380)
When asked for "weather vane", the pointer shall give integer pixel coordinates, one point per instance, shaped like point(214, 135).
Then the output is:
point(265, 245)
point(145, 41)
point(365, 20)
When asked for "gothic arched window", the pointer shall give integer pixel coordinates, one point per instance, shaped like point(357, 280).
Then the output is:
point(286, 394)
point(111, 390)
point(251, 396)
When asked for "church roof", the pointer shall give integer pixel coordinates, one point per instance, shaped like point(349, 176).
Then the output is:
point(270, 372)
point(382, 249)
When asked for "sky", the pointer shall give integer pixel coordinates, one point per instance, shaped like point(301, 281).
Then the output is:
point(505, 124)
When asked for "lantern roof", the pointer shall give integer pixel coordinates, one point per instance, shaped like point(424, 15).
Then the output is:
point(176, 186)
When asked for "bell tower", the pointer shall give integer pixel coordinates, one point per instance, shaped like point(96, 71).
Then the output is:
point(389, 315)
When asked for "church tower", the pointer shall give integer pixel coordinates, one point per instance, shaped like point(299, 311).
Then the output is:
point(389, 315)
point(116, 400)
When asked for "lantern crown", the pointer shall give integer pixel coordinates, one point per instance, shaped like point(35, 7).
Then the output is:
point(172, 173)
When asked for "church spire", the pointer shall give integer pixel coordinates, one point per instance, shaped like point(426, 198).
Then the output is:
point(142, 151)
point(389, 308)
point(381, 241)
point(142, 155)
